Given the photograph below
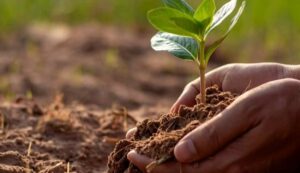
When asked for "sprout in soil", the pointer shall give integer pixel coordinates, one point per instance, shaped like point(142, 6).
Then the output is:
point(184, 31)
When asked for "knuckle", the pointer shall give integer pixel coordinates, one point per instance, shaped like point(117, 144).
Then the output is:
point(284, 85)
point(188, 86)
point(213, 136)
point(230, 66)
point(191, 86)
point(290, 82)
point(280, 70)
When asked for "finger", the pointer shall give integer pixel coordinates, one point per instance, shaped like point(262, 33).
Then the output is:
point(188, 96)
point(224, 162)
point(215, 134)
point(252, 152)
point(255, 149)
point(190, 92)
point(142, 162)
point(139, 160)
point(130, 133)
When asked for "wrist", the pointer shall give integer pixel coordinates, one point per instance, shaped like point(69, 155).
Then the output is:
point(292, 71)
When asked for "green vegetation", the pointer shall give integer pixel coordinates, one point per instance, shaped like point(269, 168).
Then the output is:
point(14, 13)
point(268, 29)
point(185, 30)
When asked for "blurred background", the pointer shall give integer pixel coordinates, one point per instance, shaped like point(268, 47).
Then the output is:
point(97, 52)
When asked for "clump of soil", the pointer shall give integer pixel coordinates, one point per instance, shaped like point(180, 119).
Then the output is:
point(39, 139)
point(157, 138)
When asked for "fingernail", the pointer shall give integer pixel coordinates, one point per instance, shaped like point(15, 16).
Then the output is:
point(130, 133)
point(185, 150)
point(131, 154)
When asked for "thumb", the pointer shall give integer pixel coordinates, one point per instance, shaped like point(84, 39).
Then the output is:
point(188, 96)
point(215, 134)
point(192, 89)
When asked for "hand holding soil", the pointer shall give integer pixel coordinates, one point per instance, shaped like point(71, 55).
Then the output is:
point(236, 78)
point(255, 103)
point(259, 132)
point(216, 125)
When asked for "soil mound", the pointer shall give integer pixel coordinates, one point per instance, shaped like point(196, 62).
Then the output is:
point(157, 138)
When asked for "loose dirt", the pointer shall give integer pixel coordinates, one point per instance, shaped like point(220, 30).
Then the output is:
point(44, 139)
point(95, 67)
point(157, 138)
point(90, 64)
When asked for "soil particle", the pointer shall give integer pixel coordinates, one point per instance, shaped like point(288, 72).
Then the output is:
point(13, 158)
point(90, 64)
point(58, 134)
point(12, 169)
point(157, 138)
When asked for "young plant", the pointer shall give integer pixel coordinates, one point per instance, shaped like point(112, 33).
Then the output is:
point(184, 31)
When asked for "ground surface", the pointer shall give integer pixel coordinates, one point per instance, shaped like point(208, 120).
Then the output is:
point(45, 139)
point(104, 73)
point(92, 65)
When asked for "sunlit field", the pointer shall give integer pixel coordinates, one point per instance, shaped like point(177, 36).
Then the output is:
point(76, 75)
point(269, 29)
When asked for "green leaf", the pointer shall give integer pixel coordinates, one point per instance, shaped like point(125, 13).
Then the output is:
point(173, 21)
point(180, 5)
point(206, 10)
point(237, 16)
point(222, 14)
point(181, 47)
point(212, 48)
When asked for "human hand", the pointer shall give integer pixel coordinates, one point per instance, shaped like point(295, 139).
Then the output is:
point(236, 78)
point(259, 132)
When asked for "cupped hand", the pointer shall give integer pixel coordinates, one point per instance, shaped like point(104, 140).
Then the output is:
point(259, 132)
point(236, 78)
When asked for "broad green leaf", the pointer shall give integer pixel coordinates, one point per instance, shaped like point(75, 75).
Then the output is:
point(237, 16)
point(206, 10)
point(173, 21)
point(180, 5)
point(222, 14)
point(181, 47)
point(212, 48)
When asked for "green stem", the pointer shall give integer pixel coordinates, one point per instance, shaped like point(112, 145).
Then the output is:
point(202, 69)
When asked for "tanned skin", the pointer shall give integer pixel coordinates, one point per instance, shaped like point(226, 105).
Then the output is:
point(259, 132)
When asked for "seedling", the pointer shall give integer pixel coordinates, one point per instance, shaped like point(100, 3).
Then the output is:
point(184, 31)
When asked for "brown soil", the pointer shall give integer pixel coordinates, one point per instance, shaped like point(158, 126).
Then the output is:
point(91, 64)
point(157, 138)
point(44, 140)
point(95, 67)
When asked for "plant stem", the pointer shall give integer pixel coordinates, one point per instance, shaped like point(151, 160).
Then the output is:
point(202, 69)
